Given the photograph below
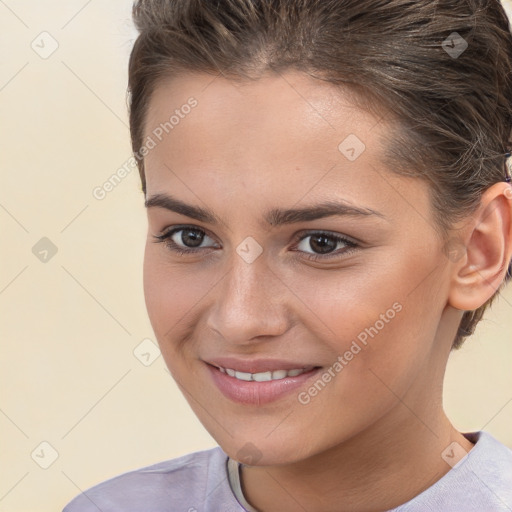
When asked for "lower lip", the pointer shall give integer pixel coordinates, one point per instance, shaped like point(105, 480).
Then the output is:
point(258, 393)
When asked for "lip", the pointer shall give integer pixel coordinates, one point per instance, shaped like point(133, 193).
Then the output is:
point(259, 393)
point(257, 365)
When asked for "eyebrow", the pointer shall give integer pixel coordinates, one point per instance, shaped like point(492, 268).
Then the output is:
point(273, 217)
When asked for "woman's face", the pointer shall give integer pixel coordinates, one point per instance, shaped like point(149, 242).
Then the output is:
point(354, 292)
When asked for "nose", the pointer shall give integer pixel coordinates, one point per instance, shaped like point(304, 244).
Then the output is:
point(250, 302)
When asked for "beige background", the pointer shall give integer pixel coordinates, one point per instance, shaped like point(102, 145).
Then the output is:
point(70, 325)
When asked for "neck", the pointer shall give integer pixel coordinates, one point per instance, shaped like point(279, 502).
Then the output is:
point(374, 471)
point(381, 467)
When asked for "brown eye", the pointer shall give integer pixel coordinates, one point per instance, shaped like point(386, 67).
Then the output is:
point(189, 237)
point(184, 239)
point(323, 245)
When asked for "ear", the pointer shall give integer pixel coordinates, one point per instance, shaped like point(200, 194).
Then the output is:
point(477, 274)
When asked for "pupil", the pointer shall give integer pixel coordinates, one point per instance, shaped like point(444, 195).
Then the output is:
point(323, 244)
point(195, 238)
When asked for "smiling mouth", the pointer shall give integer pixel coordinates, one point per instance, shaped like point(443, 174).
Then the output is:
point(265, 376)
point(274, 380)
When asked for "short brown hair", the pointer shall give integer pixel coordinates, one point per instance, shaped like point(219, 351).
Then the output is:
point(452, 110)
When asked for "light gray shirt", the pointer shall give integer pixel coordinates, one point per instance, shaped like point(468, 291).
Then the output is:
point(208, 481)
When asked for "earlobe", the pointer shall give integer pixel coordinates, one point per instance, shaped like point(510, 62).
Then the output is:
point(488, 250)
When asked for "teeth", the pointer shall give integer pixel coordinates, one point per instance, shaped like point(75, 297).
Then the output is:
point(243, 376)
point(263, 376)
point(279, 374)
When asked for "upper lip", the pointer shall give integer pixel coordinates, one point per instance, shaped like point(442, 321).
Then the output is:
point(257, 365)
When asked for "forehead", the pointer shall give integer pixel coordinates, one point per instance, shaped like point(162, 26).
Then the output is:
point(292, 105)
point(276, 139)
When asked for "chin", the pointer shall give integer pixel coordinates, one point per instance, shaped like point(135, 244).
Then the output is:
point(264, 451)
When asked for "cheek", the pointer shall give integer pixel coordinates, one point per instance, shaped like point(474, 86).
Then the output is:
point(382, 319)
point(174, 295)
point(169, 295)
point(374, 328)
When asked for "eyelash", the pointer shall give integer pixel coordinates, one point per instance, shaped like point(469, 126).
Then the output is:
point(165, 238)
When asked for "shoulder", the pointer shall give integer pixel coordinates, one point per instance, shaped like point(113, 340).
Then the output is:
point(481, 480)
point(490, 461)
point(182, 483)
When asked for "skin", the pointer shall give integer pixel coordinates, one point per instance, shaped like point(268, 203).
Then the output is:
point(372, 438)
